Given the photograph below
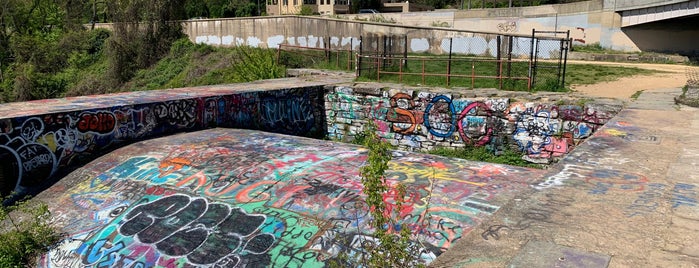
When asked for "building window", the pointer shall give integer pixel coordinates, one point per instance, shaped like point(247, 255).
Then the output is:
point(309, 2)
point(285, 2)
point(342, 2)
point(296, 2)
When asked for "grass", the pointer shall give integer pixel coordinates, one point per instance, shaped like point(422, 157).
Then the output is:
point(585, 74)
point(483, 154)
point(636, 95)
point(547, 77)
point(190, 64)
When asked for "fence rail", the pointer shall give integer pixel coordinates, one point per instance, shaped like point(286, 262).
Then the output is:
point(504, 62)
point(503, 68)
point(299, 56)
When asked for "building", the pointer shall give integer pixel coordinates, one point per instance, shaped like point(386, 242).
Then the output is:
point(330, 7)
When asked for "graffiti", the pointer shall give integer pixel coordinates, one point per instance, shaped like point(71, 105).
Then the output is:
point(474, 129)
point(35, 148)
point(179, 226)
point(181, 113)
point(684, 194)
point(605, 180)
point(584, 35)
point(102, 122)
point(290, 115)
point(541, 212)
point(403, 116)
point(648, 201)
point(440, 118)
point(422, 120)
point(507, 27)
point(304, 198)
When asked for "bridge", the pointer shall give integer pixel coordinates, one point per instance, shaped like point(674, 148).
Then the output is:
point(640, 12)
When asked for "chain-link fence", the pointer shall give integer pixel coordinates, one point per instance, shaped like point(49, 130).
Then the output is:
point(549, 55)
point(499, 61)
point(331, 55)
point(431, 57)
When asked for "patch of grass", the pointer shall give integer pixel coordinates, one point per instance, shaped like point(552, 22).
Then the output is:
point(190, 64)
point(684, 99)
point(483, 154)
point(593, 48)
point(636, 95)
point(585, 74)
point(25, 233)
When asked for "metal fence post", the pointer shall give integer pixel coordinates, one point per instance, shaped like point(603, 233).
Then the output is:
point(451, 41)
point(509, 56)
point(405, 51)
point(359, 57)
point(499, 59)
point(565, 58)
point(531, 60)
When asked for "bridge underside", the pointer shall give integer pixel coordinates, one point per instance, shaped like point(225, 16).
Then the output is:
point(659, 13)
point(679, 35)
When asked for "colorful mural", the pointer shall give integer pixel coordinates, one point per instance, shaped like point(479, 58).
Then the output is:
point(417, 121)
point(35, 147)
point(224, 197)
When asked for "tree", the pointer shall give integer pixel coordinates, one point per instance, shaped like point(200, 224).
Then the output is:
point(143, 33)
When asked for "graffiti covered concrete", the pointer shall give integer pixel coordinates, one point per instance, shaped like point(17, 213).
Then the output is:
point(41, 138)
point(423, 120)
point(224, 197)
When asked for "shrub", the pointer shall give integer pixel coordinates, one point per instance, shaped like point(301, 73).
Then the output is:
point(26, 233)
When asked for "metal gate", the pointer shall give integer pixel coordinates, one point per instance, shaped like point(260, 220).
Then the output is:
point(549, 55)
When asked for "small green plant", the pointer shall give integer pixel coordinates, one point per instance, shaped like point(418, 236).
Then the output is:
point(381, 19)
point(306, 11)
point(25, 232)
point(391, 247)
point(636, 95)
point(256, 64)
point(581, 102)
point(483, 154)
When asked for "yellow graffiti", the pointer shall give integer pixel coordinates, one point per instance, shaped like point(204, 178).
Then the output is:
point(615, 132)
point(433, 173)
point(49, 140)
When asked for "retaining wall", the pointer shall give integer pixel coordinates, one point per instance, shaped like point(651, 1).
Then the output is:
point(40, 139)
point(43, 140)
point(421, 120)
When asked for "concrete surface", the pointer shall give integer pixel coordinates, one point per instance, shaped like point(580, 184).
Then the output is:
point(222, 197)
point(629, 192)
point(626, 197)
point(41, 141)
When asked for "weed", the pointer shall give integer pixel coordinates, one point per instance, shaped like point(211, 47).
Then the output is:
point(25, 232)
point(483, 154)
point(636, 95)
point(392, 244)
point(581, 102)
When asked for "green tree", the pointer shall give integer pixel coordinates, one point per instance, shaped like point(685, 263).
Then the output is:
point(142, 33)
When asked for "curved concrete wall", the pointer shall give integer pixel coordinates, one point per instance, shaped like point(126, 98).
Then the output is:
point(41, 140)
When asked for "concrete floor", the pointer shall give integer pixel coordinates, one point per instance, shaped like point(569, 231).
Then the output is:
point(627, 197)
point(225, 196)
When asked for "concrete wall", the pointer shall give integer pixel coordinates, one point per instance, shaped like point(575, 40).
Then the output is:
point(340, 34)
point(58, 135)
point(420, 120)
point(586, 28)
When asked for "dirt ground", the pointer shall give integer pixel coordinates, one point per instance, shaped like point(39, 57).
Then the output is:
point(673, 76)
